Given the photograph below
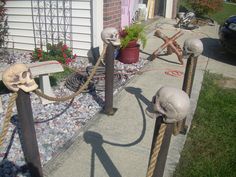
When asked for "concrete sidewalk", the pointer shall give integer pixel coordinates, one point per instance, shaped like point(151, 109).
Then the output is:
point(119, 145)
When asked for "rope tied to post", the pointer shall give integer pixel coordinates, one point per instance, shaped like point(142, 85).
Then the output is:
point(15, 77)
point(156, 150)
point(7, 119)
point(18, 76)
point(172, 105)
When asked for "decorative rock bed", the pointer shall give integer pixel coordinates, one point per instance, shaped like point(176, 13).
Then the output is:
point(57, 123)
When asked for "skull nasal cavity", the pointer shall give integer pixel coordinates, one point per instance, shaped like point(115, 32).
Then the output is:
point(24, 74)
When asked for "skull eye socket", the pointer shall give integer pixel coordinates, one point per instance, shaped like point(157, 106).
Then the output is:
point(112, 36)
point(24, 74)
point(154, 100)
point(16, 78)
point(14, 86)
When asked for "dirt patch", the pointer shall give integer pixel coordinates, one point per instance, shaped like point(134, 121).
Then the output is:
point(227, 83)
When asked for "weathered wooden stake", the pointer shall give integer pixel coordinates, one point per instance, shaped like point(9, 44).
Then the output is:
point(187, 87)
point(189, 74)
point(162, 156)
point(28, 135)
point(109, 78)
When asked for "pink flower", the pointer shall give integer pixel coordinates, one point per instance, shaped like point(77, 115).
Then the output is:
point(64, 47)
point(68, 61)
point(39, 50)
point(74, 56)
point(64, 55)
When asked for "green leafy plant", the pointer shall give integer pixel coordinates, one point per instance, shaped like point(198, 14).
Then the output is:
point(205, 7)
point(60, 52)
point(132, 33)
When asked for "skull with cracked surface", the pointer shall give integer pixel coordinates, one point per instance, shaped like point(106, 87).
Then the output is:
point(18, 76)
point(172, 103)
point(111, 35)
point(192, 46)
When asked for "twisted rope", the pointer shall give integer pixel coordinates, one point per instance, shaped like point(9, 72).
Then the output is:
point(7, 119)
point(156, 150)
point(82, 88)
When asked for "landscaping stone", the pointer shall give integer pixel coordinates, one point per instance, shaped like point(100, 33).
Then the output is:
point(57, 123)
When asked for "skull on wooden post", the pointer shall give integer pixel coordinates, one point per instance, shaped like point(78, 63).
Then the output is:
point(172, 103)
point(192, 46)
point(18, 76)
point(111, 35)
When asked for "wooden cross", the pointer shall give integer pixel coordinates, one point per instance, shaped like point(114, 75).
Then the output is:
point(171, 45)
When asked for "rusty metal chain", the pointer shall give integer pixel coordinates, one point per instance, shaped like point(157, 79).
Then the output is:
point(156, 150)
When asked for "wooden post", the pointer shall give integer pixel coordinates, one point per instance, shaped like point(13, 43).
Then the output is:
point(191, 65)
point(109, 79)
point(28, 135)
point(162, 156)
point(189, 74)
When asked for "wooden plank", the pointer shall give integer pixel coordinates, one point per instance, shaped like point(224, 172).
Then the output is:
point(151, 9)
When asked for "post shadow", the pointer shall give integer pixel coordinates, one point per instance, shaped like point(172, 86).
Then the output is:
point(161, 160)
point(96, 140)
point(151, 57)
point(137, 92)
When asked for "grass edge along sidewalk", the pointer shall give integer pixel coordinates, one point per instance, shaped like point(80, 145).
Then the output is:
point(210, 148)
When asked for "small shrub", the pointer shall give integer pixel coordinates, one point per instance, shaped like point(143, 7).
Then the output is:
point(133, 32)
point(60, 52)
point(205, 7)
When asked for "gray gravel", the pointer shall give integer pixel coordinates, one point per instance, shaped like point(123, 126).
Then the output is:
point(66, 117)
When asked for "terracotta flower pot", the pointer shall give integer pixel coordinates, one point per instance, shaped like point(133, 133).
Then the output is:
point(129, 55)
point(132, 43)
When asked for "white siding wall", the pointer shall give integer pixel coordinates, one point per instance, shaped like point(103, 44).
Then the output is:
point(84, 34)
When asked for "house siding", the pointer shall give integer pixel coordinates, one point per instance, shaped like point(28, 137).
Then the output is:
point(22, 31)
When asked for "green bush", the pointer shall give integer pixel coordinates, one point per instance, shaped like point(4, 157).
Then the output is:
point(60, 52)
point(205, 7)
point(133, 32)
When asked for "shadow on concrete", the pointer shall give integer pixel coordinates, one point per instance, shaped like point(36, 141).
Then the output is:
point(138, 94)
point(214, 50)
point(152, 57)
point(96, 140)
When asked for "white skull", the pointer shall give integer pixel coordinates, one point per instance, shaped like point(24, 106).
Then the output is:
point(172, 103)
point(192, 46)
point(18, 76)
point(111, 35)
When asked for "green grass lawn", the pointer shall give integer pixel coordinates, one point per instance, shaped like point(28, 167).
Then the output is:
point(210, 149)
point(228, 10)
